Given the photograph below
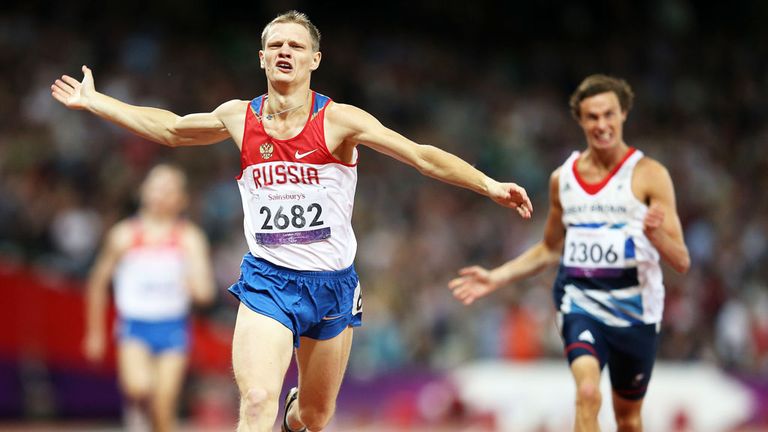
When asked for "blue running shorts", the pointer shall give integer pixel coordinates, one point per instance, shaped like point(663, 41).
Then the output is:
point(315, 304)
point(629, 352)
point(159, 336)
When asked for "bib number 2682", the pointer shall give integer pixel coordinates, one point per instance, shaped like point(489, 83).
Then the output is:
point(294, 217)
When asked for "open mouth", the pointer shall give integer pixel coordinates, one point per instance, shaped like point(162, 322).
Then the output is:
point(284, 66)
point(604, 137)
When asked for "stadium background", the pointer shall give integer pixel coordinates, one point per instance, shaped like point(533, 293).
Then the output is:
point(488, 81)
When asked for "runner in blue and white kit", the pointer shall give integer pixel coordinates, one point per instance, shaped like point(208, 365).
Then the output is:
point(612, 215)
point(158, 263)
point(297, 288)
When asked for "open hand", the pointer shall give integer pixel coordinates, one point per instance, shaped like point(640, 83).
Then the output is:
point(72, 93)
point(474, 282)
point(94, 348)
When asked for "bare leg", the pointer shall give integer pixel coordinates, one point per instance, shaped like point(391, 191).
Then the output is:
point(134, 371)
point(261, 352)
point(627, 413)
point(586, 372)
point(321, 369)
point(169, 374)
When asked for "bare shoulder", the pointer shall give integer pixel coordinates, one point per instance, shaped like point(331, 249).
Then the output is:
point(345, 115)
point(649, 167)
point(335, 109)
point(650, 179)
point(348, 123)
point(234, 106)
point(350, 116)
point(192, 233)
point(554, 187)
point(554, 179)
point(119, 237)
point(650, 172)
point(555, 176)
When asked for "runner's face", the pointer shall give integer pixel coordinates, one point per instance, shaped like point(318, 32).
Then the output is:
point(288, 56)
point(163, 193)
point(602, 120)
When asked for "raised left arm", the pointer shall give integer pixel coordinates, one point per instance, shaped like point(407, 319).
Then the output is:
point(349, 124)
point(662, 223)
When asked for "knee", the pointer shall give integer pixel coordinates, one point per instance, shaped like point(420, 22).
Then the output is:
point(164, 401)
point(137, 393)
point(588, 396)
point(254, 401)
point(316, 418)
point(629, 421)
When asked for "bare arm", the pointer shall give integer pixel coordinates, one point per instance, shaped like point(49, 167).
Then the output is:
point(199, 270)
point(353, 125)
point(662, 223)
point(475, 282)
point(97, 292)
point(154, 124)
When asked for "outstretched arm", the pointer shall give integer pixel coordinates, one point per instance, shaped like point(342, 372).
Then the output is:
point(353, 125)
point(154, 124)
point(475, 282)
point(662, 223)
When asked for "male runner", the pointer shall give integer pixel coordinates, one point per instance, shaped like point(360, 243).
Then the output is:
point(298, 287)
point(611, 215)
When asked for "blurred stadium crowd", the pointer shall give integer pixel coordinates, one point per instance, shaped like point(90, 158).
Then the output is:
point(488, 84)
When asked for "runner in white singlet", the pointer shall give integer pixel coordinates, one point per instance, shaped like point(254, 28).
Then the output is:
point(298, 288)
point(159, 264)
point(612, 214)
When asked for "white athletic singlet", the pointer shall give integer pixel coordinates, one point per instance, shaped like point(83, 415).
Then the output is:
point(297, 197)
point(609, 269)
point(150, 279)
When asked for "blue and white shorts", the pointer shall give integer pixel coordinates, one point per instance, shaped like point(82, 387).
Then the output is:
point(158, 336)
point(315, 304)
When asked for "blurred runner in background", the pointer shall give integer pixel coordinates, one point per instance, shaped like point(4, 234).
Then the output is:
point(158, 263)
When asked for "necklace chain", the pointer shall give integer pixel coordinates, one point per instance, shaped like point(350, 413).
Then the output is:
point(270, 116)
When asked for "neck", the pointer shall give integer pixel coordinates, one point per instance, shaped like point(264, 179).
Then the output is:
point(282, 98)
point(157, 218)
point(606, 158)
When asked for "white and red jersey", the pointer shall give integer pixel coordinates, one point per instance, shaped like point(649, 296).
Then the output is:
point(150, 278)
point(297, 197)
point(609, 270)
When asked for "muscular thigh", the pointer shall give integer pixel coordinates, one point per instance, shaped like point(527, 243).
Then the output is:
point(322, 364)
point(134, 368)
point(170, 369)
point(261, 351)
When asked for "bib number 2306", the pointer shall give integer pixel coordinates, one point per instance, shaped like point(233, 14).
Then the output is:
point(594, 248)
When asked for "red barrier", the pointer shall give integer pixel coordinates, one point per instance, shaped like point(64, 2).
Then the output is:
point(42, 316)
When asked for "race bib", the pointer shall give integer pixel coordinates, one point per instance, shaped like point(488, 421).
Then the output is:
point(594, 251)
point(290, 217)
point(357, 305)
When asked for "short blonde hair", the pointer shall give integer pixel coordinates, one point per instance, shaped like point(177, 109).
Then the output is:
point(295, 17)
